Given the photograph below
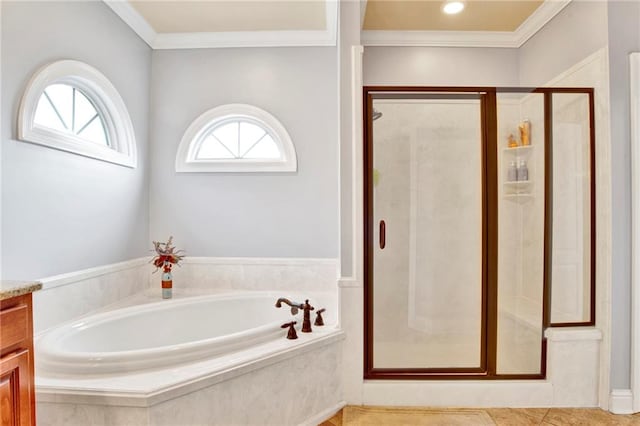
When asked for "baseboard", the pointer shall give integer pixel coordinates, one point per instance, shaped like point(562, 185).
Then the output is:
point(621, 401)
point(323, 415)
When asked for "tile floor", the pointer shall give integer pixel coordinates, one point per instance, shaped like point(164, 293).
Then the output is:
point(379, 416)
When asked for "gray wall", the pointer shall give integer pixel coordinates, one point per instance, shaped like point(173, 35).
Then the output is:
point(572, 35)
point(262, 215)
point(63, 212)
point(439, 66)
point(579, 30)
point(624, 38)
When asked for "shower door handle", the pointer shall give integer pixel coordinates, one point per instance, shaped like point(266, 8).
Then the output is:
point(383, 234)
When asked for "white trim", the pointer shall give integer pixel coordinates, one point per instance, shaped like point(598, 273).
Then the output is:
point(85, 274)
point(316, 419)
point(348, 283)
point(621, 401)
point(243, 39)
point(510, 39)
point(104, 96)
point(132, 17)
point(200, 128)
point(572, 334)
point(634, 95)
point(202, 40)
point(459, 393)
point(357, 165)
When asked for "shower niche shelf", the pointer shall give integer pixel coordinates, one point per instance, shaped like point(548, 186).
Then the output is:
point(520, 191)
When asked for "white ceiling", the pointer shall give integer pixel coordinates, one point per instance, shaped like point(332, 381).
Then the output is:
point(426, 15)
point(238, 15)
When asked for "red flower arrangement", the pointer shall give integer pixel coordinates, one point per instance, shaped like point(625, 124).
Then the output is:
point(166, 254)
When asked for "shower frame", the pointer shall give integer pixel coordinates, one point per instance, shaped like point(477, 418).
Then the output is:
point(490, 194)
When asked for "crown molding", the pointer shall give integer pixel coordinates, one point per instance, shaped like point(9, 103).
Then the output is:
point(131, 17)
point(510, 39)
point(538, 19)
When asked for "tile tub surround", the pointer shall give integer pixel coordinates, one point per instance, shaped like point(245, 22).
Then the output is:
point(292, 383)
point(250, 273)
point(69, 296)
point(306, 371)
point(11, 288)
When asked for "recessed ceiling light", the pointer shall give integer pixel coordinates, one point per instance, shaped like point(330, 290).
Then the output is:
point(453, 7)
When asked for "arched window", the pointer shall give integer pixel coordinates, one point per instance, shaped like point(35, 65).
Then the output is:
point(236, 138)
point(70, 106)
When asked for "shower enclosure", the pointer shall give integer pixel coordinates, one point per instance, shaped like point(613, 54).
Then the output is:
point(478, 228)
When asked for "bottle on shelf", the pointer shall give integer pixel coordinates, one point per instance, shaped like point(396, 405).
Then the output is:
point(512, 172)
point(522, 171)
point(525, 133)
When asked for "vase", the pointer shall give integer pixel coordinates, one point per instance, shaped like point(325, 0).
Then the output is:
point(167, 281)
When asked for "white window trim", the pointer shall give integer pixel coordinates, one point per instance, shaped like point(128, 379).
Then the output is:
point(193, 137)
point(105, 98)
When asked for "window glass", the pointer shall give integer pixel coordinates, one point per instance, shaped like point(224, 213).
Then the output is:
point(236, 138)
point(65, 108)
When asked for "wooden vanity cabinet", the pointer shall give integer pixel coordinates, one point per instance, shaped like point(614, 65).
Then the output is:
point(17, 388)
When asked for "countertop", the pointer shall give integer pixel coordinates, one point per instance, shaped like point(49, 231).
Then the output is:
point(9, 289)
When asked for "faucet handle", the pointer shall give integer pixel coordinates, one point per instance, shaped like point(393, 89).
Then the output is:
point(291, 333)
point(319, 320)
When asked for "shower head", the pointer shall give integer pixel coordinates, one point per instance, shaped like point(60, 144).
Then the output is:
point(375, 115)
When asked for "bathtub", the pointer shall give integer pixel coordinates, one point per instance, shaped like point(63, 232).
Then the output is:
point(161, 334)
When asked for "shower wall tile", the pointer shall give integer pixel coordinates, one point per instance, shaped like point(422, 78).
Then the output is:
point(427, 162)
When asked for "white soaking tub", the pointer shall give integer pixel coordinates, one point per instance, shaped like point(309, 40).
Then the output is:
point(161, 334)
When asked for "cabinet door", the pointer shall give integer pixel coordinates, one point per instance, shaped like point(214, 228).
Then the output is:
point(15, 401)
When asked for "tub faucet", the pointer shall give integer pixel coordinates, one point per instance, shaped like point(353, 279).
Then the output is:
point(306, 308)
point(294, 306)
point(306, 319)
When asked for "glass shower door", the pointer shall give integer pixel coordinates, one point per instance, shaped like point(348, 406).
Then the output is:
point(426, 230)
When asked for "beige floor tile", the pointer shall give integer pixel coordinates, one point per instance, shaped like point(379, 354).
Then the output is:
point(587, 416)
point(381, 416)
point(333, 421)
point(517, 416)
point(395, 416)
